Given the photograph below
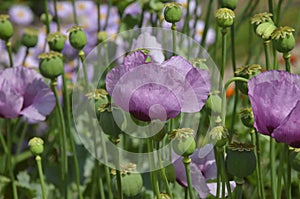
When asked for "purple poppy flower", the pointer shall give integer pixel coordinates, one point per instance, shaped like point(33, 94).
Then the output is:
point(203, 168)
point(21, 15)
point(275, 101)
point(23, 92)
point(151, 90)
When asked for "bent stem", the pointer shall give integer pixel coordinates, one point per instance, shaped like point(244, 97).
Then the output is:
point(186, 161)
point(8, 47)
point(38, 160)
point(63, 137)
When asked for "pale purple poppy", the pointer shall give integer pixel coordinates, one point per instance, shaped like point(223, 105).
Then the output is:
point(151, 90)
point(203, 168)
point(21, 15)
point(23, 92)
point(275, 101)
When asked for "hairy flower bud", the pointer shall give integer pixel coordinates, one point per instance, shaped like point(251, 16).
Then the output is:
point(6, 28)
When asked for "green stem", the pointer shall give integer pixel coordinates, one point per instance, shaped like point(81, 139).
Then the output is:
point(289, 174)
point(8, 47)
point(253, 139)
point(118, 169)
point(98, 16)
point(280, 173)
point(56, 15)
point(9, 157)
point(186, 28)
point(21, 157)
point(287, 59)
point(272, 166)
point(174, 37)
point(239, 188)
point(261, 183)
point(153, 175)
point(186, 161)
point(223, 113)
point(218, 172)
point(63, 138)
point(69, 133)
point(26, 54)
point(207, 23)
point(222, 69)
point(225, 180)
point(40, 170)
point(101, 188)
point(74, 12)
point(108, 13)
point(82, 59)
point(267, 53)
point(271, 6)
point(47, 17)
point(23, 133)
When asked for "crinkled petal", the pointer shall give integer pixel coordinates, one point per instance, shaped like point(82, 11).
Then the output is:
point(273, 94)
point(288, 131)
point(42, 105)
point(132, 60)
point(153, 101)
point(10, 101)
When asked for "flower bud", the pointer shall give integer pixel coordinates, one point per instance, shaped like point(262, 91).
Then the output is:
point(51, 64)
point(183, 143)
point(231, 4)
point(265, 30)
point(102, 36)
point(261, 18)
point(283, 38)
point(6, 28)
point(214, 103)
point(247, 117)
point(224, 17)
point(43, 18)
point(219, 134)
point(173, 12)
point(109, 117)
point(30, 37)
point(240, 160)
point(247, 72)
point(132, 184)
point(36, 145)
point(77, 37)
point(56, 41)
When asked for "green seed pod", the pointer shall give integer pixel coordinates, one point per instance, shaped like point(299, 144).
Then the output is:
point(77, 37)
point(224, 17)
point(30, 37)
point(261, 18)
point(240, 160)
point(56, 41)
point(183, 143)
point(219, 134)
point(43, 18)
point(265, 30)
point(170, 173)
point(109, 119)
point(102, 36)
point(6, 28)
point(295, 160)
point(246, 72)
point(172, 12)
point(231, 4)
point(284, 40)
point(51, 64)
point(132, 184)
point(36, 145)
point(214, 103)
point(247, 117)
